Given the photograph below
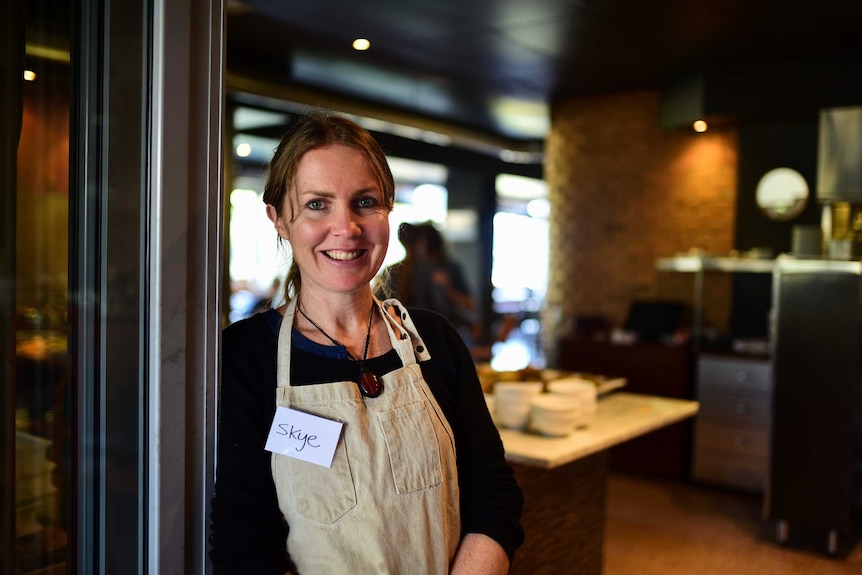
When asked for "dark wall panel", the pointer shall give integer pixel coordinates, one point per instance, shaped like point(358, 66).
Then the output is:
point(763, 146)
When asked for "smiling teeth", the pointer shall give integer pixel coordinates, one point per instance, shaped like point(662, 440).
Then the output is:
point(343, 256)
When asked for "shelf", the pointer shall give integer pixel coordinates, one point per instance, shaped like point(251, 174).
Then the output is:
point(699, 266)
point(787, 264)
point(693, 264)
point(790, 265)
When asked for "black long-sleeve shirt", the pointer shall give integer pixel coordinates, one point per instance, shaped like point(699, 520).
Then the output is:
point(248, 530)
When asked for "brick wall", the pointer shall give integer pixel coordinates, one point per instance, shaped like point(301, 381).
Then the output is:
point(624, 193)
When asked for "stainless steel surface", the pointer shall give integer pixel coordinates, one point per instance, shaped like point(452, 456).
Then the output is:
point(715, 264)
point(839, 161)
point(807, 240)
point(787, 264)
point(731, 441)
point(816, 444)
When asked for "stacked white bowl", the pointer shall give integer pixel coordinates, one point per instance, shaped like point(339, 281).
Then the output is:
point(554, 414)
point(580, 391)
point(513, 401)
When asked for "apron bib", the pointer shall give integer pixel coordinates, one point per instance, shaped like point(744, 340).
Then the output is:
point(389, 503)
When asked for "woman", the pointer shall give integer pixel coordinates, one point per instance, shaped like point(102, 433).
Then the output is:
point(418, 482)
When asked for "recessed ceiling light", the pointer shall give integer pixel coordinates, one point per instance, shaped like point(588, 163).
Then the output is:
point(361, 44)
point(243, 150)
point(29, 75)
point(699, 126)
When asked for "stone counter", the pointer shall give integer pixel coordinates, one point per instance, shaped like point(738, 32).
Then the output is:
point(564, 480)
point(620, 417)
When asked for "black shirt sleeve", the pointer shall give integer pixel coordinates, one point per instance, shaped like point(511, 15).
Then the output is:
point(248, 530)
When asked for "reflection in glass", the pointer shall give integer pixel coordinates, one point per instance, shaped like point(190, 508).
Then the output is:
point(41, 412)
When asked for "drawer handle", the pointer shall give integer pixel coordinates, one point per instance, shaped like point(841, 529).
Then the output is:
point(741, 408)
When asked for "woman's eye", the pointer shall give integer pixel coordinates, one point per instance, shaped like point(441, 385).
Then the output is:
point(366, 202)
point(315, 205)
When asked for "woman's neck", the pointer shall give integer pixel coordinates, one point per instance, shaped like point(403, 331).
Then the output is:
point(345, 321)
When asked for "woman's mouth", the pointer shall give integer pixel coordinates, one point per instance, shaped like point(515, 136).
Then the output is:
point(344, 256)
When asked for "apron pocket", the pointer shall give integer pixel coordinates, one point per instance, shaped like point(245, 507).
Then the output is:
point(412, 445)
point(321, 494)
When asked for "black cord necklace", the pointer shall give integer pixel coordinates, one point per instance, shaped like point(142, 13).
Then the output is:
point(369, 384)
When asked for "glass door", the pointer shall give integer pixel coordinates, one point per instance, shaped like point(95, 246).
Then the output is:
point(110, 215)
point(36, 425)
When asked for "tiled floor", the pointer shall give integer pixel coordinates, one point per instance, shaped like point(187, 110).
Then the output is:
point(658, 527)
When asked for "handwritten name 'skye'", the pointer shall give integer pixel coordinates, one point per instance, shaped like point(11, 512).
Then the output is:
point(303, 436)
point(295, 434)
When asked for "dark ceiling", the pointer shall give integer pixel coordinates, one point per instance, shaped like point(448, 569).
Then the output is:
point(492, 67)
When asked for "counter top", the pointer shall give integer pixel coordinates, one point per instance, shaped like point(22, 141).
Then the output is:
point(621, 416)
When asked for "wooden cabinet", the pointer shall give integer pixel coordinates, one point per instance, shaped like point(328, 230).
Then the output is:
point(731, 440)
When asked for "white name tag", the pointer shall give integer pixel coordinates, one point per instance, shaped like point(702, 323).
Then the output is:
point(303, 436)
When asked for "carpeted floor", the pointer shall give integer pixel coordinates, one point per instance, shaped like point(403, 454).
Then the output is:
point(658, 527)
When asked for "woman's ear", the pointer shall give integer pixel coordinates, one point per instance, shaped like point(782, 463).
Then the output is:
point(272, 214)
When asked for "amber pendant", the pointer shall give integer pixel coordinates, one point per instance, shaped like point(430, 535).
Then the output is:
point(369, 384)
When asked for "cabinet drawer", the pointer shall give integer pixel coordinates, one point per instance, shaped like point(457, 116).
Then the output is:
point(734, 440)
point(735, 408)
point(747, 376)
point(747, 473)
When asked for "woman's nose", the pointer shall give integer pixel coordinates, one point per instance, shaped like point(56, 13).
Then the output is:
point(346, 222)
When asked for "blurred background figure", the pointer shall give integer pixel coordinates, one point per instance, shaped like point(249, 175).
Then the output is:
point(438, 281)
point(428, 278)
point(401, 274)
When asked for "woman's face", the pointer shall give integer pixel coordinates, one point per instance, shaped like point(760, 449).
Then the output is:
point(339, 229)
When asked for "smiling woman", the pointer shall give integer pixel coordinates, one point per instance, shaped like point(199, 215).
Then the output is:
point(357, 199)
point(400, 381)
point(336, 221)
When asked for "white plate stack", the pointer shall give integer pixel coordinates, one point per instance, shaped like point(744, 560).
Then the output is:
point(33, 487)
point(579, 390)
point(513, 401)
point(555, 415)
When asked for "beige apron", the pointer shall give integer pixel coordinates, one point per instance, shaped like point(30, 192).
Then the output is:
point(389, 503)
